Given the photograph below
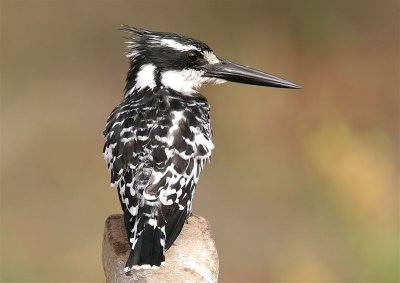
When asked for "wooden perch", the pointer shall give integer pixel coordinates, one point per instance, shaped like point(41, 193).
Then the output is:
point(192, 258)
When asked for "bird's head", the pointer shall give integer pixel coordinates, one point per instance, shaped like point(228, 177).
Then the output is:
point(168, 60)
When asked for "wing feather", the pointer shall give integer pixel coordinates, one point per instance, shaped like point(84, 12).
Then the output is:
point(156, 146)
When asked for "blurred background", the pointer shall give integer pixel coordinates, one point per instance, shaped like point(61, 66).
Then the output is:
point(303, 185)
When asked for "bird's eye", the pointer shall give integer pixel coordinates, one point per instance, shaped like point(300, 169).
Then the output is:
point(193, 55)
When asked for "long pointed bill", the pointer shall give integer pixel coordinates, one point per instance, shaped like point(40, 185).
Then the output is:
point(241, 74)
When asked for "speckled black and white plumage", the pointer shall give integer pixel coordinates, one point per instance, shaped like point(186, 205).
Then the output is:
point(157, 145)
point(157, 142)
point(159, 137)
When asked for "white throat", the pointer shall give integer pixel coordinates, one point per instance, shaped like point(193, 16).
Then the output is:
point(186, 81)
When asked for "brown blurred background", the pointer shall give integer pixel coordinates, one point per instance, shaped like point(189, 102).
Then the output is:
point(303, 185)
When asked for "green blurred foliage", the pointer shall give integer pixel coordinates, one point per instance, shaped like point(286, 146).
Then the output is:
point(303, 185)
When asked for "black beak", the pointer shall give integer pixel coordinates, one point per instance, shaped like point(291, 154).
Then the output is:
point(241, 74)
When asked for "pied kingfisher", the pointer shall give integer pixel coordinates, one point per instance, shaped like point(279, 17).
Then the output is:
point(159, 137)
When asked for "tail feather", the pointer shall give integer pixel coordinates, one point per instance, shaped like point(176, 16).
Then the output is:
point(151, 233)
point(175, 219)
point(148, 245)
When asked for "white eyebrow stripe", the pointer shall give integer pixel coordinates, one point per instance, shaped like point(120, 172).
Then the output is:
point(176, 45)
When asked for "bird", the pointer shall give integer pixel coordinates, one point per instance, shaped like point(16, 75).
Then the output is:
point(158, 139)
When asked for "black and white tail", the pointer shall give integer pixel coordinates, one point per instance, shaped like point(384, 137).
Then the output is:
point(147, 239)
